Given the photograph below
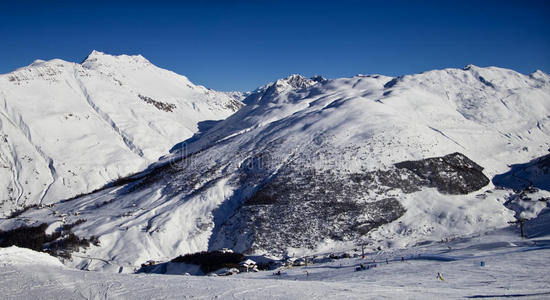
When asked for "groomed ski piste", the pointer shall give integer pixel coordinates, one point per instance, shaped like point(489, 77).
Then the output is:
point(494, 265)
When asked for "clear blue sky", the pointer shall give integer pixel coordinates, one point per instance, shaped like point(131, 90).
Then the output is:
point(238, 45)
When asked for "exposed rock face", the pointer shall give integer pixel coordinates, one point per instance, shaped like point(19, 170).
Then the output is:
point(167, 107)
point(450, 174)
point(302, 208)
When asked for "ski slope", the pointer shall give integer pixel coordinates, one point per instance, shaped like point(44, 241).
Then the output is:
point(514, 268)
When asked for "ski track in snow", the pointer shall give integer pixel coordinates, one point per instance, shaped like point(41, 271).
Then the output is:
point(25, 131)
point(13, 165)
point(446, 136)
point(105, 117)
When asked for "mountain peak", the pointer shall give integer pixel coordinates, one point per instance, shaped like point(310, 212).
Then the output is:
point(470, 67)
point(295, 81)
point(93, 55)
point(318, 78)
point(96, 53)
point(37, 62)
point(98, 58)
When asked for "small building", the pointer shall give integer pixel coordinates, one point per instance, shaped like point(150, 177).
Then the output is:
point(248, 265)
point(149, 263)
point(299, 262)
point(226, 271)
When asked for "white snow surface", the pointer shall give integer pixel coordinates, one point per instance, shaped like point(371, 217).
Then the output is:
point(494, 116)
point(68, 128)
point(23, 257)
point(513, 268)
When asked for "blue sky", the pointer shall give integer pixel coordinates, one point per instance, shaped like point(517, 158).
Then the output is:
point(239, 45)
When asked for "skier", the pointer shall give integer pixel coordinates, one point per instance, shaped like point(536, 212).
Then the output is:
point(440, 276)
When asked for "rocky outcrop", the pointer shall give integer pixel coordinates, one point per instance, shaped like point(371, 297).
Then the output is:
point(300, 208)
point(451, 174)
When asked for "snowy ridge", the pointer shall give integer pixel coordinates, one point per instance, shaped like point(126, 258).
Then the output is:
point(23, 256)
point(70, 128)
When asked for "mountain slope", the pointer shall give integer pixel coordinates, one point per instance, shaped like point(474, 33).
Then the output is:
point(69, 128)
point(314, 164)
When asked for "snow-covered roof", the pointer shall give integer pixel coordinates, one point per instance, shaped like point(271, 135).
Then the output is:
point(247, 262)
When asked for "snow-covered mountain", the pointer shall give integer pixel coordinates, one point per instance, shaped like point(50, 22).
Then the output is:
point(315, 164)
point(68, 128)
